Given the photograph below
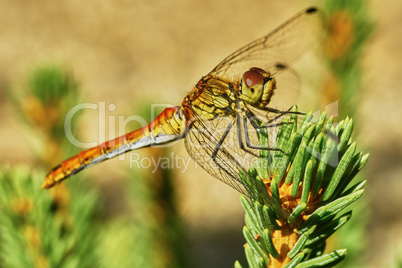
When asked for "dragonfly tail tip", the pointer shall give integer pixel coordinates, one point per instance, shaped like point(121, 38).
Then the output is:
point(45, 185)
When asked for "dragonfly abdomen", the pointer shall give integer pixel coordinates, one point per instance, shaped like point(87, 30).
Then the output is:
point(168, 126)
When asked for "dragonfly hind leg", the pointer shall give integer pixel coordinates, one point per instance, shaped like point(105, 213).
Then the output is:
point(218, 148)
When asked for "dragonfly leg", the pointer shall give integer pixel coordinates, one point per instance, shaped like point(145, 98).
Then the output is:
point(224, 164)
point(218, 147)
point(215, 153)
point(239, 136)
point(249, 117)
point(280, 113)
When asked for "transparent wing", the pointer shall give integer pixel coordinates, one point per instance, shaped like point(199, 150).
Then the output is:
point(215, 144)
point(287, 89)
point(281, 47)
point(204, 139)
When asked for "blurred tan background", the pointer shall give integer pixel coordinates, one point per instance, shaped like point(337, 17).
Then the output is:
point(128, 51)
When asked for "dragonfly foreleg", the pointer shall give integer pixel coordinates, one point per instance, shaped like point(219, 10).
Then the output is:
point(252, 118)
point(279, 114)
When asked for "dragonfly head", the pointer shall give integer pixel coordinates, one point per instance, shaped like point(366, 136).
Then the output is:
point(257, 87)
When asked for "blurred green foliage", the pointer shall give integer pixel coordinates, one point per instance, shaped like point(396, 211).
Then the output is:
point(39, 229)
point(349, 30)
point(64, 227)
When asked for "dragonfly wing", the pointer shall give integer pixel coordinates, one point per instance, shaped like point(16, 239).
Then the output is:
point(281, 47)
point(222, 137)
point(287, 89)
point(204, 139)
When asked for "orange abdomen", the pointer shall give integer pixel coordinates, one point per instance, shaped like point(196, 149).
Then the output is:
point(168, 126)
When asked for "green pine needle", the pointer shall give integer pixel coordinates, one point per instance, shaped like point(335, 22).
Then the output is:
point(298, 195)
point(38, 230)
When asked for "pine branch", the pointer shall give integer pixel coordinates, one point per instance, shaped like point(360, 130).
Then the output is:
point(39, 230)
point(46, 229)
point(297, 205)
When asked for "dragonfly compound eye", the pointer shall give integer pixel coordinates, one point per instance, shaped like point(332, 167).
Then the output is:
point(252, 86)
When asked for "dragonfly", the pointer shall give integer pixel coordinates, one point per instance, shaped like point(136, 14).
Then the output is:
point(218, 117)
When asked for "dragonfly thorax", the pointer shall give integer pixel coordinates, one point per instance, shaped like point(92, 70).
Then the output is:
point(257, 87)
